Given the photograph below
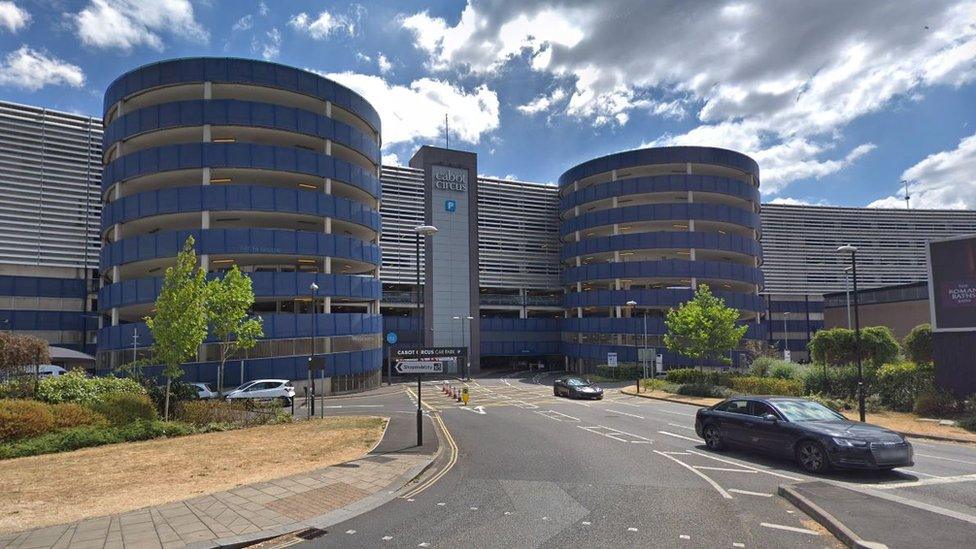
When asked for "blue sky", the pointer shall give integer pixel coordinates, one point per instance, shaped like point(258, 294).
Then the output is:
point(837, 100)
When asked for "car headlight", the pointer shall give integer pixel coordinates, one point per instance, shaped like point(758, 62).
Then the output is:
point(849, 442)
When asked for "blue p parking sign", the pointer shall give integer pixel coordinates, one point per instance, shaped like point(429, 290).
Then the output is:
point(450, 205)
point(391, 338)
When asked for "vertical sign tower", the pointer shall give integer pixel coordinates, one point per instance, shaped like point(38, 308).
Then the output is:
point(451, 260)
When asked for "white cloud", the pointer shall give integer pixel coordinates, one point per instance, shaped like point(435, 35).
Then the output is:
point(244, 23)
point(323, 25)
point(784, 79)
point(416, 112)
point(543, 102)
point(32, 70)
point(383, 64)
point(785, 200)
point(125, 24)
point(391, 159)
point(12, 17)
point(941, 180)
point(270, 47)
point(263, 9)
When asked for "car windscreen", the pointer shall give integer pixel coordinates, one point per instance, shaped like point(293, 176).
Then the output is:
point(805, 410)
point(576, 382)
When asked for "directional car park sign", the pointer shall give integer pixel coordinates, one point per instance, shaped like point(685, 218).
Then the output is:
point(429, 352)
point(419, 367)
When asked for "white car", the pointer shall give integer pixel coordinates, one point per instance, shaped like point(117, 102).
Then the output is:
point(203, 390)
point(265, 389)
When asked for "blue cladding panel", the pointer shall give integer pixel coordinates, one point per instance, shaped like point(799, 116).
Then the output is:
point(242, 71)
point(667, 268)
point(680, 240)
point(661, 183)
point(34, 286)
point(662, 212)
point(667, 155)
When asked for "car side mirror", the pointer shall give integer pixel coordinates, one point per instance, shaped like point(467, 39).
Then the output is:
point(770, 417)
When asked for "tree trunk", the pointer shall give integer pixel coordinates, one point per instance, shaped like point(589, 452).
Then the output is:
point(166, 400)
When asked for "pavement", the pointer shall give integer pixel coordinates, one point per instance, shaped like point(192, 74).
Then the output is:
point(534, 470)
point(246, 514)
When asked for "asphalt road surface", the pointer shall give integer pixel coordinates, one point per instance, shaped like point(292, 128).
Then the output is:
point(533, 470)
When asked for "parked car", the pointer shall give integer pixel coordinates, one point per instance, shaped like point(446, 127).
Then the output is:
point(576, 387)
point(43, 370)
point(203, 390)
point(265, 389)
point(817, 437)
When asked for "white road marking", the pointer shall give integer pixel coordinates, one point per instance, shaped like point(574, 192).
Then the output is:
point(748, 493)
point(615, 434)
point(677, 453)
point(947, 459)
point(476, 409)
point(350, 532)
point(684, 536)
point(386, 538)
point(474, 508)
point(679, 436)
point(675, 413)
point(632, 529)
point(917, 504)
point(624, 413)
point(789, 528)
point(914, 472)
point(726, 469)
point(681, 426)
point(708, 479)
point(586, 523)
point(508, 513)
point(424, 544)
point(354, 406)
point(545, 518)
point(737, 544)
point(441, 503)
point(409, 499)
point(926, 482)
point(743, 465)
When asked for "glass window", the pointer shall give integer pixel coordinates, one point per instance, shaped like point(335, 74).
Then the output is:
point(805, 410)
point(735, 407)
point(760, 409)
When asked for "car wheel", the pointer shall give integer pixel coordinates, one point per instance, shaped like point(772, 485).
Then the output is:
point(812, 456)
point(555, 391)
point(713, 438)
point(285, 401)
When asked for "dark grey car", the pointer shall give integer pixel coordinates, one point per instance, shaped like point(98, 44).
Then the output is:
point(817, 437)
point(576, 387)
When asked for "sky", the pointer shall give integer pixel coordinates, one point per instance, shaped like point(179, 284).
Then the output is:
point(840, 101)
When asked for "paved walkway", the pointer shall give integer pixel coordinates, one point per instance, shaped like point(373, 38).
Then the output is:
point(316, 499)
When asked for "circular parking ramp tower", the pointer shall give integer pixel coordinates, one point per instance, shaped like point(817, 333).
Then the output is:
point(270, 168)
point(648, 227)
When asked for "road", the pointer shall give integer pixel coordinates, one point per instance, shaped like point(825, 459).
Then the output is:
point(533, 470)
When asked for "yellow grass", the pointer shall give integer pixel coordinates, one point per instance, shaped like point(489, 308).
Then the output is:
point(60, 488)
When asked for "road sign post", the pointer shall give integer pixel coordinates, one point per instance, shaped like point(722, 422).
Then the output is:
point(391, 339)
point(419, 367)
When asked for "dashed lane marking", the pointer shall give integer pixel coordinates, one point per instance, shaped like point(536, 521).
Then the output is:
point(386, 538)
point(737, 544)
point(350, 532)
point(681, 426)
point(623, 413)
point(748, 493)
point(632, 529)
point(707, 478)
point(673, 413)
point(586, 523)
point(789, 528)
point(615, 434)
point(679, 436)
point(926, 482)
point(947, 459)
point(684, 536)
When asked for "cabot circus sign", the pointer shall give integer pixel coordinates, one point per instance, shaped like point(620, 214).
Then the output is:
point(450, 179)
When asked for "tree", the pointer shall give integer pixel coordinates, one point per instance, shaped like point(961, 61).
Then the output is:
point(838, 346)
point(703, 327)
point(19, 352)
point(179, 324)
point(228, 300)
point(918, 344)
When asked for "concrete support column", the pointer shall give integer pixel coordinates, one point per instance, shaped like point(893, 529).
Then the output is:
point(116, 232)
point(205, 262)
point(115, 317)
point(692, 255)
point(616, 227)
point(616, 284)
point(328, 147)
point(691, 225)
point(328, 185)
point(616, 257)
point(615, 202)
point(327, 226)
point(688, 168)
point(207, 135)
point(691, 197)
point(328, 109)
point(205, 179)
point(327, 265)
point(205, 219)
point(576, 234)
point(613, 177)
point(579, 312)
point(208, 90)
point(694, 283)
point(328, 305)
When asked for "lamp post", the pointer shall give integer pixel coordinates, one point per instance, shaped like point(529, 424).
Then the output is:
point(466, 365)
point(633, 304)
point(857, 330)
point(311, 377)
point(786, 337)
point(847, 293)
point(421, 231)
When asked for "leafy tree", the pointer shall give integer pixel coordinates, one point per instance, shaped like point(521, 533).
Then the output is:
point(918, 344)
point(228, 300)
point(179, 325)
point(703, 327)
point(838, 346)
point(19, 352)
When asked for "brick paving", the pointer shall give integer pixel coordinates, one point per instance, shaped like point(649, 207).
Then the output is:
point(251, 512)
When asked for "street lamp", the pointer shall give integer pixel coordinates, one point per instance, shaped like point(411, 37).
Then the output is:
point(422, 231)
point(786, 337)
point(311, 377)
point(633, 304)
point(848, 249)
point(847, 293)
point(466, 365)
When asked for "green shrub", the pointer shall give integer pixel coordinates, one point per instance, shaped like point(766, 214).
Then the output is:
point(624, 372)
point(178, 393)
point(87, 436)
point(767, 386)
point(658, 385)
point(75, 387)
point(836, 404)
point(125, 408)
point(918, 344)
point(19, 387)
point(70, 414)
point(899, 384)
point(21, 418)
point(703, 390)
point(785, 370)
point(707, 377)
point(968, 423)
point(761, 365)
point(837, 346)
point(934, 403)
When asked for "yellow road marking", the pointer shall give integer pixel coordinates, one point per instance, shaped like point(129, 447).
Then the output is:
point(450, 464)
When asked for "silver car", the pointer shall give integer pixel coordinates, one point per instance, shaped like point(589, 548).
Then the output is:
point(265, 389)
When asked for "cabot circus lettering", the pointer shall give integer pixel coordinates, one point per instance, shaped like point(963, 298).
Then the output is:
point(450, 179)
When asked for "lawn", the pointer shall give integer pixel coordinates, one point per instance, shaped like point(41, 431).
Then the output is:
point(59, 488)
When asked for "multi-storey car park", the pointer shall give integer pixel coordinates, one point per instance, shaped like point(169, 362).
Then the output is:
point(641, 230)
point(277, 170)
point(269, 168)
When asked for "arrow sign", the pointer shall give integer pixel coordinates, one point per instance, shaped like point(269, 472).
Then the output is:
point(419, 367)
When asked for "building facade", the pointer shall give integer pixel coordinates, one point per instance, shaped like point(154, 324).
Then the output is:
point(269, 168)
point(50, 163)
point(802, 263)
point(640, 231)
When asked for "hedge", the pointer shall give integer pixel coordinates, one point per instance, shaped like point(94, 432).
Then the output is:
point(702, 377)
point(69, 414)
point(767, 386)
point(75, 387)
point(24, 418)
point(125, 408)
point(900, 384)
point(84, 437)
